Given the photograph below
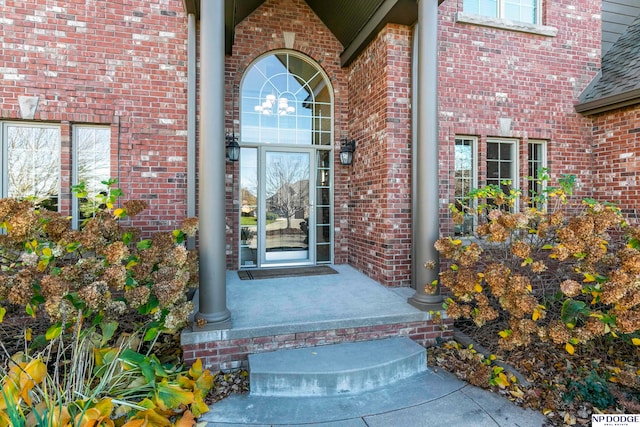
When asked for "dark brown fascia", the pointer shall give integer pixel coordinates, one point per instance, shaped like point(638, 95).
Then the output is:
point(374, 25)
point(609, 103)
point(192, 6)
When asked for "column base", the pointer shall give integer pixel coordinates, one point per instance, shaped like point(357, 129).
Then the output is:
point(214, 322)
point(426, 302)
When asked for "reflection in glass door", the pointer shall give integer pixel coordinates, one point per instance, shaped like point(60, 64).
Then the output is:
point(278, 223)
point(286, 182)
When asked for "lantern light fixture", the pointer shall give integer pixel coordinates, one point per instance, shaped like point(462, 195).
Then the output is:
point(232, 149)
point(347, 148)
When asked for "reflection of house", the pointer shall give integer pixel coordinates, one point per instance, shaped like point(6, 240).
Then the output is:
point(440, 97)
point(249, 203)
point(290, 200)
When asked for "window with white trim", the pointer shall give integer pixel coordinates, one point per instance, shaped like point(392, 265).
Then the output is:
point(537, 162)
point(502, 164)
point(92, 166)
point(465, 179)
point(515, 10)
point(31, 162)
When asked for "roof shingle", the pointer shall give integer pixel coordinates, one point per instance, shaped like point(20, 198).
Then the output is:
point(620, 72)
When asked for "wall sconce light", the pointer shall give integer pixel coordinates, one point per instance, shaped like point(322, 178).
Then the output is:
point(233, 148)
point(347, 148)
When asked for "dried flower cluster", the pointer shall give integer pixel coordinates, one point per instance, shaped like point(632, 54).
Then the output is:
point(584, 266)
point(103, 268)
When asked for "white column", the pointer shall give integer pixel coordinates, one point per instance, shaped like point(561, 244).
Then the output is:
point(211, 187)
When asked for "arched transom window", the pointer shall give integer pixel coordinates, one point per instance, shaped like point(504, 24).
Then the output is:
point(286, 99)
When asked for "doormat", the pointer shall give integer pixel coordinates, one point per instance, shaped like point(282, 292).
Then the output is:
point(276, 273)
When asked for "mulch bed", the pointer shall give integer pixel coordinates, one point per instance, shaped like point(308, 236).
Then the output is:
point(568, 389)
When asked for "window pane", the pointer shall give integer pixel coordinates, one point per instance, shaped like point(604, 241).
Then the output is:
point(493, 170)
point(93, 164)
point(323, 196)
point(464, 182)
point(536, 168)
point(501, 165)
point(505, 151)
point(481, 7)
point(520, 10)
point(323, 252)
point(285, 100)
point(249, 207)
point(323, 234)
point(33, 159)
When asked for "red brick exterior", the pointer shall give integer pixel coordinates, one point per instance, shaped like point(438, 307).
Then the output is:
point(380, 187)
point(616, 145)
point(125, 66)
point(232, 353)
point(112, 63)
point(487, 74)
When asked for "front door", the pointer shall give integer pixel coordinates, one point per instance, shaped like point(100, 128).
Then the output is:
point(278, 221)
point(288, 214)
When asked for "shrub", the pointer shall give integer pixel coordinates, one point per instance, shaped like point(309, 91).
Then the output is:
point(569, 278)
point(103, 269)
point(83, 284)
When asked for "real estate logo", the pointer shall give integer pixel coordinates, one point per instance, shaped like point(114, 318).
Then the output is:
point(615, 420)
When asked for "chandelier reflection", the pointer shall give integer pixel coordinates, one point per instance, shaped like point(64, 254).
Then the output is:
point(271, 106)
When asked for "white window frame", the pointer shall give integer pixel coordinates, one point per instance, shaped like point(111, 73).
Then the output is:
point(542, 164)
point(75, 135)
point(4, 153)
point(515, 155)
point(500, 12)
point(474, 174)
point(508, 24)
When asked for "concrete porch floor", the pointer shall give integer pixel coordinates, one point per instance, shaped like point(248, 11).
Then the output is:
point(292, 305)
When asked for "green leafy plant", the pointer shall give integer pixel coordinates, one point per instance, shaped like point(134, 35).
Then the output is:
point(94, 384)
point(593, 389)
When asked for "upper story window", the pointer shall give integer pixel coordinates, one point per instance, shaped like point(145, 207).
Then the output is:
point(285, 99)
point(527, 11)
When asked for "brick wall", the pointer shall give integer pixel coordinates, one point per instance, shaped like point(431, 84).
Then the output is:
point(261, 32)
point(114, 63)
point(380, 181)
point(488, 75)
point(232, 353)
point(124, 65)
point(616, 145)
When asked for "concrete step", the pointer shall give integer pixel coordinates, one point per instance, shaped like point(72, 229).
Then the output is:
point(332, 370)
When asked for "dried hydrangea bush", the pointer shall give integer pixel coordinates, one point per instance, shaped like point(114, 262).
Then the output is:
point(102, 270)
point(559, 276)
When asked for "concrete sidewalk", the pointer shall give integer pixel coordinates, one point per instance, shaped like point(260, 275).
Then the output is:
point(432, 398)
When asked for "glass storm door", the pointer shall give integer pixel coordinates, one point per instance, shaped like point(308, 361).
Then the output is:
point(287, 224)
